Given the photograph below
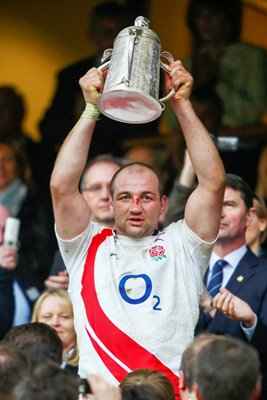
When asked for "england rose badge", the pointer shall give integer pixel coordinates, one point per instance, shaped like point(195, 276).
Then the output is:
point(157, 253)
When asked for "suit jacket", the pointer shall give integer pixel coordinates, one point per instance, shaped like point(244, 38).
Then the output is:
point(249, 283)
point(7, 303)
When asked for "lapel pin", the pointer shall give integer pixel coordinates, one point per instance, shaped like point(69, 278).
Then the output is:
point(240, 278)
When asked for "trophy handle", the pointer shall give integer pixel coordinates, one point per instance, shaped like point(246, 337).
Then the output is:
point(104, 66)
point(168, 56)
point(105, 59)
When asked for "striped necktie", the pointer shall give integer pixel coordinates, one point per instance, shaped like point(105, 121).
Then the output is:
point(216, 278)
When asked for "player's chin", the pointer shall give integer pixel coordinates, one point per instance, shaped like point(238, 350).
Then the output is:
point(136, 231)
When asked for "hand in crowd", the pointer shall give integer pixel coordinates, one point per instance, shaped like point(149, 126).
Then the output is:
point(205, 299)
point(234, 308)
point(8, 256)
point(205, 302)
point(60, 281)
point(102, 389)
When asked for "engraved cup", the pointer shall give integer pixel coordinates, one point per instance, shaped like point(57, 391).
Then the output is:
point(131, 90)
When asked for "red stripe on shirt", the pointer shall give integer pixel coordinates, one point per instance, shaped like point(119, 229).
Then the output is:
point(117, 342)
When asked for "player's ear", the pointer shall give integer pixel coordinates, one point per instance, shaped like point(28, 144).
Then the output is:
point(164, 204)
point(181, 380)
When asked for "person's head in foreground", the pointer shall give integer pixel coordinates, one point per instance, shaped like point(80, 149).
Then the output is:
point(227, 369)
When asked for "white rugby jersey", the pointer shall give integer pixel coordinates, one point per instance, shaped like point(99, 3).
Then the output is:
point(135, 300)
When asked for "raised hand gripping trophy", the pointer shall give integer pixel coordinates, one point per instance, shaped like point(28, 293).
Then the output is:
point(131, 87)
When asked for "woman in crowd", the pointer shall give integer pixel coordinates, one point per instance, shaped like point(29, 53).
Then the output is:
point(257, 231)
point(55, 309)
point(261, 188)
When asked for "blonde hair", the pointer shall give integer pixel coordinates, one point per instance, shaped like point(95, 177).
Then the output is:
point(63, 296)
point(149, 377)
point(261, 212)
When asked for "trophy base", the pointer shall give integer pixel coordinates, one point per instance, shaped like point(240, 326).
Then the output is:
point(129, 106)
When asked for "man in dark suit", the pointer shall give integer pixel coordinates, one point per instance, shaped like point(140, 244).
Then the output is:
point(236, 305)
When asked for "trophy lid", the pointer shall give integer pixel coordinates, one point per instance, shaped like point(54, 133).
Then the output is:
point(142, 21)
point(141, 26)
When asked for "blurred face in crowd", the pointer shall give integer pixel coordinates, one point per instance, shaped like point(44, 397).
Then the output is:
point(235, 217)
point(57, 313)
point(8, 166)
point(137, 204)
point(257, 227)
point(96, 191)
point(210, 24)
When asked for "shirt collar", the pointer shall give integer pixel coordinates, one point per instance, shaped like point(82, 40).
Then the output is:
point(232, 258)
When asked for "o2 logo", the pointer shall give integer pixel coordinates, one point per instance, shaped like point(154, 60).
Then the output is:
point(146, 294)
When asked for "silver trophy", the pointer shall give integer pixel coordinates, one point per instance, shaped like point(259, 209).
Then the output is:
point(131, 90)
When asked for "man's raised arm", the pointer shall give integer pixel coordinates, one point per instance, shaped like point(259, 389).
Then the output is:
point(71, 211)
point(204, 206)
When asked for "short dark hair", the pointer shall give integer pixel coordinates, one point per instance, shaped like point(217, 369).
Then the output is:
point(14, 100)
point(237, 183)
point(227, 369)
point(14, 365)
point(110, 10)
point(38, 341)
point(135, 165)
point(47, 382)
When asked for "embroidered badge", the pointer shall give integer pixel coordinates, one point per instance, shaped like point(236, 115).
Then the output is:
point(157, 253)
